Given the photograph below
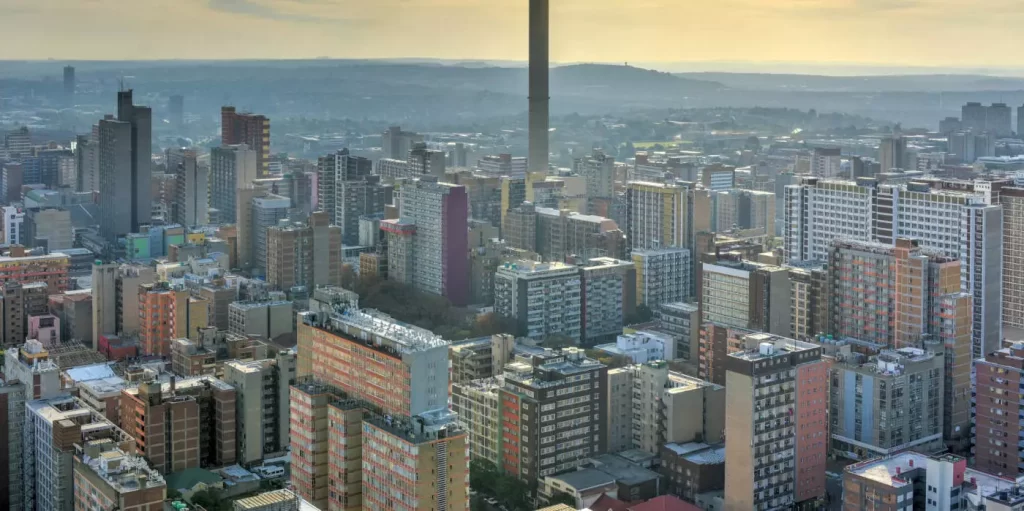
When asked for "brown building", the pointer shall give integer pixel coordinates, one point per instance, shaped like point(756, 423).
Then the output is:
point(565, 383)
point(108, 478)
point(51, 269)
point(252, 130)
point(212, 347)
point(691, 469)
point(219, 298)
point(999, 379)
point(716, 343)
point(304, 255)
point(183, 424)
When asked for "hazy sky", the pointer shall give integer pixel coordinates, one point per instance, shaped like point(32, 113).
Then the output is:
point(949, 33)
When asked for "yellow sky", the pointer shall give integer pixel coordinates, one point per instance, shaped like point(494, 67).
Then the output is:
point(949, 33)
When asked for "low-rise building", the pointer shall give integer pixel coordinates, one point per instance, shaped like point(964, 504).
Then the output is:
point(692, 468)
point(107, 477)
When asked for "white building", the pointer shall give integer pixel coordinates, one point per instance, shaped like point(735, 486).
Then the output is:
point(642, 347)
point(14, 220)
point(542, 298)
point(819, 211)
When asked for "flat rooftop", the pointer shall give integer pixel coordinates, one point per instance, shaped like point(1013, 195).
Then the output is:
point(887, 470)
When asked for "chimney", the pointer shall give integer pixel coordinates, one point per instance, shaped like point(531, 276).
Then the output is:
point(539, 86)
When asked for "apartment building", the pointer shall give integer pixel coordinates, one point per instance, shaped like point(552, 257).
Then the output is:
point(692, 469)
point(19, 267)
point(775, 420)
point(502, 165)
point(32, 366)
point(999, 398)
point(808, 297)
point(475, 403)
point(53, 428)
point(165, 314)
point(552, 404)
point(249, 129)
point(662, 275)
point(262, 404)
point(649, 405)
point(656, 215)
point(265, 320)
point(481, 358)
point(911, 480)
point(106, 477)
point(717, 342)
point(819, 211)
point(544, 299)
point(188, 423)
point(608, 297)
point(231, 168)
point(887, 403)
point(682, 321)
point(1012, 200)
point(306, 255)
point(598, 170)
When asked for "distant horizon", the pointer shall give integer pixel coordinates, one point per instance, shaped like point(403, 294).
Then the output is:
point(836, 69)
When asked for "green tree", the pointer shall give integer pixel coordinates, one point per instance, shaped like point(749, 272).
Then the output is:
point(513, 492)
point(562, 498)
point(483, 476)
point(642, 314)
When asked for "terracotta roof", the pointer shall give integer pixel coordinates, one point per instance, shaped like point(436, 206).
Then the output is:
point(606, 503)
point(665, 503)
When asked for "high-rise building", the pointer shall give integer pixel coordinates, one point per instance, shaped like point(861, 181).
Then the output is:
point(439, 240)
point(599, 171)
point(543, 299)
point(502, 165)
point(304, 255)
point(166, 313)
point(423, 161)
point(30, 364)
point(231, 168)
point(261, 319)
point(54, 429)
point(397, 143)
point(115, 180)
point(662, 275)
point(191, 201)
point(13, 224)
point(334, 169)
point(892, 152)
point(826, 161)
point(18, 143)
point(141, 120)
point(107, 477)
point(974, 117)
point(961, 146)
point(475, 402)
point(13, 177)
point(809, 299)
point(608, 297)
point(902, 389)
point(249, 129)
point(552, 404)
point(998, 120)
point(49, 228)
point(718, 177)
point(388, 400)
point(51, 269)
point(481, 358)
point(776, 423)
point(87, 160)
point(682, 321)
point(261, 419)
point(189, 423)
point(657, 406)
point(176, 111)
point(744, 294)
point(69, 85)
point(1012, 200)
point(12, 416)
point(346, 190)
point(999, 376)
point(267, 211)
point(981, 253)
point(656, 216)
point(950, 124)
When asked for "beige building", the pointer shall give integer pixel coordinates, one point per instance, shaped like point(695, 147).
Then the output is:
point(262, 417)
point(265, 320)
point(476, 405)
point(481, 358)
point(1012, 200)
point(648, 405)
point(108, 478)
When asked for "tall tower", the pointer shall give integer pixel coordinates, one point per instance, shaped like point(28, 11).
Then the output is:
point(539, 94)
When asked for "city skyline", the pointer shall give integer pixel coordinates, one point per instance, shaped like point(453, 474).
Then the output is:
point(825, 32)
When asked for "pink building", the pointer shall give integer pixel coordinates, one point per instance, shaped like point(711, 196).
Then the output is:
point(44, 328)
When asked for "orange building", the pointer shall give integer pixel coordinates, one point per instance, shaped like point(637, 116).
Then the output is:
point(24, 269)
point(252, 130)
point(166, 314)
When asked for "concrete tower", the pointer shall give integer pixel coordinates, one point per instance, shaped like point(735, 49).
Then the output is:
point(539, 94)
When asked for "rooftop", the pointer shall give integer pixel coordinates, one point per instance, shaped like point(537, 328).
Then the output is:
point(769, 346)
point(124, 472)
point(585, 479)
point(378, 330)
point(266, 499)
point(89, 372)
point(887, 470)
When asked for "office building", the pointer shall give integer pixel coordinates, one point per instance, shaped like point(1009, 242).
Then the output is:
point(191, 202)
point(562, 233)
point(608, 297)
point(892, 153)
point(107, 477)
point(974, 117)
point(267, 211)
point(826, 162)
point(69, 85)
point(304, 255)
point(48, 228)
point(887, 403)
point(13, 177)
point(188, 423)
point(744, 294)
point(475, 402)
point(718, 177)
point(262, 400)
point(231, 168)
point(543, 299)
point(346, 190)
point(662, 275)
point(54, 427)
point(998, 120)
point(503, 165)
point(176, 111)
point(334, 169)
point(125, 160)
point(552, 403)
point(396, 143)
point(18, 143)
point(249, 129)
point(649, 405)
point(775, 423)
point(911, 480)
point(437, 252)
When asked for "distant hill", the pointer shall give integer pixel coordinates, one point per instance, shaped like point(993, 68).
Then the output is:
point(625, 81)
point(872, 83)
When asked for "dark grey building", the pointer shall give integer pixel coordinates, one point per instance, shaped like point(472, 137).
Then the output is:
point(125, 167)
